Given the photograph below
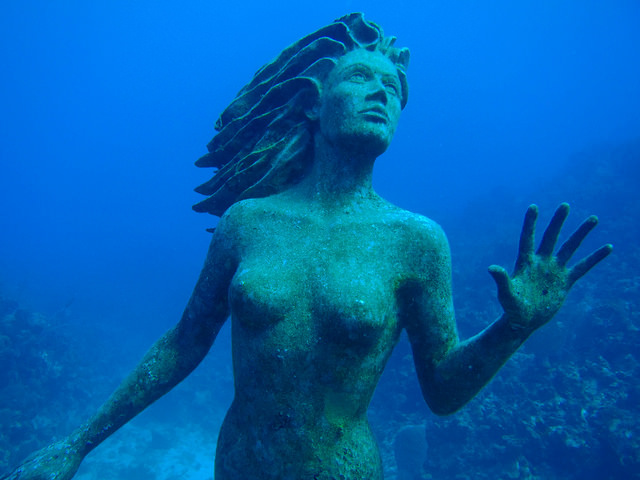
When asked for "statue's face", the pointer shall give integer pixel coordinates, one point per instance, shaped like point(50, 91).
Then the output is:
point(361, 103)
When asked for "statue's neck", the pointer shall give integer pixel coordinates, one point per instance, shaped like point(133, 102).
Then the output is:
point(337, 177)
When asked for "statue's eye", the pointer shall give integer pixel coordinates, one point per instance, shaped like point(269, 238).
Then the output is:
point(392, 88)
point(358, 77)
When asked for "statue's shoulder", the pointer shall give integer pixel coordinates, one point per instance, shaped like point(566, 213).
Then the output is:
point(244, 216)
point(242, 209)
point(239, 217)
point(420, 242)
point(415, 228)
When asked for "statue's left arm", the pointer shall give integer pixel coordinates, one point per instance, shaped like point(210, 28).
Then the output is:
point(451, 372)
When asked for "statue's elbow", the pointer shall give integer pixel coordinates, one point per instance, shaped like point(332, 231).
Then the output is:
point(442, 409)
point(441, 396)
point(444, 403)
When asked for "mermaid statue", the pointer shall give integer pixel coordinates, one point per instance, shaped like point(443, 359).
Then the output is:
point(320, 275)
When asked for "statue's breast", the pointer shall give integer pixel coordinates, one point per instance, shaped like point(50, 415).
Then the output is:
point(353, 300)
point(339, 290)
point(262, 295)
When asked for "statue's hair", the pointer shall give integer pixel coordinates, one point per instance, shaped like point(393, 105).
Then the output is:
point(264, 140)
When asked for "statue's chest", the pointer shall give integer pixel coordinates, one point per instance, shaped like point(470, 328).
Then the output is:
point(336, 288)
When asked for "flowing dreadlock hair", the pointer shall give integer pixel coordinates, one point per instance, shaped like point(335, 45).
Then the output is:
point(264, 140)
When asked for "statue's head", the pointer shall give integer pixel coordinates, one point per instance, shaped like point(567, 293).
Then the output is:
point(265, 136)
point(359, 106)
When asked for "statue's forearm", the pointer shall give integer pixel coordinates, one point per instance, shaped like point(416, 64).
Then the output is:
point(166, 363)
point(471, 364)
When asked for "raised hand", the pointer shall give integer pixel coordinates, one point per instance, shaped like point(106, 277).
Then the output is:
point(541, 280)
point(58, 461)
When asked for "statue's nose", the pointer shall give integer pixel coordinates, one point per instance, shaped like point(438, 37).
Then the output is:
point(377, 92)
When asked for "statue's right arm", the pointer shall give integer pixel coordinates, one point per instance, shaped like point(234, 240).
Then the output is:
point(176, 354)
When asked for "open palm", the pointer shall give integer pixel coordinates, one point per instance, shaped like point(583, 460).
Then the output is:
point(541, 280)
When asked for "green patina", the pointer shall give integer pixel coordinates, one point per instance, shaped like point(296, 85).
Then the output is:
point(320, 275)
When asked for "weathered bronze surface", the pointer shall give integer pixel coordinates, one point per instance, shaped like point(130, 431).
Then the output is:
point(320, 276)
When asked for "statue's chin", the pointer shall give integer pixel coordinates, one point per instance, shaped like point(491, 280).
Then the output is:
point(368, 142)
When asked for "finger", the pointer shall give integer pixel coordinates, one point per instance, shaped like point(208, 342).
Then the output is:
point(527, 236)
point(586, 264)
point(505, 287)
point(569, 247)
point(550, 237)
point(501, 277)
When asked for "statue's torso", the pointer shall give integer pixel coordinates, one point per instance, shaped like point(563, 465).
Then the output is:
point(314, 321)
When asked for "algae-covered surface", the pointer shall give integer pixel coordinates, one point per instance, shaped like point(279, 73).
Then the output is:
point(104, 108)
point(565, 406)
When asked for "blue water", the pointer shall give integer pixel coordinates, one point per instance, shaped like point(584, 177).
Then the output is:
point(104, 107)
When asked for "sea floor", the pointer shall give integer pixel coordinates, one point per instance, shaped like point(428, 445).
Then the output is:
point(156, 450)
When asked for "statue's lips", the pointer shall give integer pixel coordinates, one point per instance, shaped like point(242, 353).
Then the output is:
point(376, 113)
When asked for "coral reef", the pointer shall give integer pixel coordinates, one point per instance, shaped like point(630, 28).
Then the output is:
point(566, 406)
point(37, 381)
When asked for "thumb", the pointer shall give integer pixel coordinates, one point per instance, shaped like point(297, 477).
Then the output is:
point(501, 277)
point(505, 289)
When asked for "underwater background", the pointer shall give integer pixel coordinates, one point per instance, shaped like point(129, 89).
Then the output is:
point(104, 107)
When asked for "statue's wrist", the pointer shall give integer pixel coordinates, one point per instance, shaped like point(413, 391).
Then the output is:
point(79, 441)
point(516, 326)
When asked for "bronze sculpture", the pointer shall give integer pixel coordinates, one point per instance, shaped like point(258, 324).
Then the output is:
point(320, 275)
